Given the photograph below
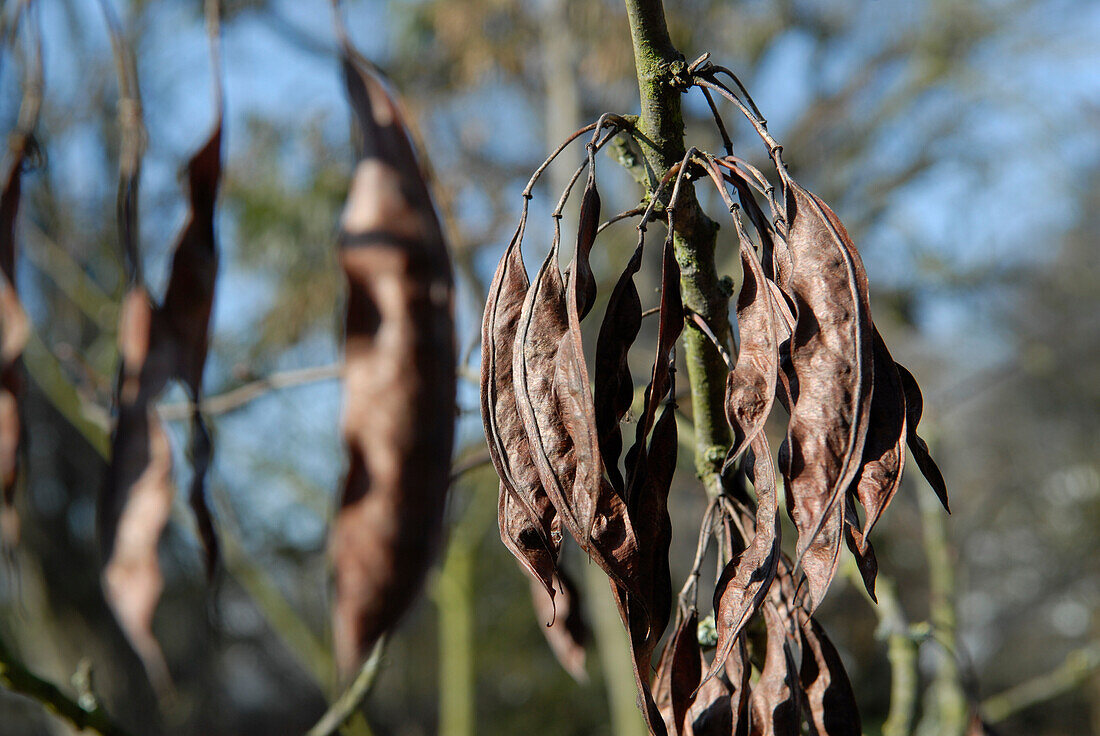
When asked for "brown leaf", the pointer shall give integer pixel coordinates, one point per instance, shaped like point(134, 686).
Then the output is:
point(774, 702)
point(528, 522)
point(829, 699)
point(745, 580)
point(565, 628)
point(399, 387)
point(831, 365)
point(914, 407)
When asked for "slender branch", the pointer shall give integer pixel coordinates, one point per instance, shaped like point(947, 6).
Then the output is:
point(946, 708)
point(1077, 668)
point(249, 392)
point(660, 135)
point(15, 676)
point(901, 651)
point(347, 705)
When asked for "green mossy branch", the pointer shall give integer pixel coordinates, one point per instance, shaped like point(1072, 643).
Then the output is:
point(660, 135)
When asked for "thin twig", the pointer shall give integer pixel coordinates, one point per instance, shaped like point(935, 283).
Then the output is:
point(15, 676)
point(249, 392)
point(345, 706)
point(1078, 666)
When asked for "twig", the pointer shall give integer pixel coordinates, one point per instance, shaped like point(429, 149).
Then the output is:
point(1072, 673)
point(345, 706)
point(901, 651)
point(15, 676)
point(249, 392)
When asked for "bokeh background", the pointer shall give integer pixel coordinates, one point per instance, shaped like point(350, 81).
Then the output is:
point(959, 140)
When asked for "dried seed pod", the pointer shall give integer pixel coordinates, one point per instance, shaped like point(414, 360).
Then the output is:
point(14, 324)
point(555, 403)
point(830, 702)
point(565, 627)
point(157, 345)
point(399, 386)
point(14, 330)
point(678, 673)
point(712, 712)
point(884, 452)
point(614, 390)
point(528, 522)
point(774, 703)
point(831, 380)
point(914, 408)
point(745, 580)
point(861, 548)
point(188, 302)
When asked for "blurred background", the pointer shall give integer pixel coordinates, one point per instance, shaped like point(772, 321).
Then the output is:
point(959, 140)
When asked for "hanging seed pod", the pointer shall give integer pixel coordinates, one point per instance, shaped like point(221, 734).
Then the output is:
point(914, 408)
point(678, 673)
point(186, 310)
point(14, 330)
point(529, 525)
point(399, 386)
point(751, 384)
point(157, 345)
point(14, 324)
point(614, 389)
point(774, 702)
point(831, 354)
point(745, 581)
point(555, 403)
point(884, 452)
point(830, 703)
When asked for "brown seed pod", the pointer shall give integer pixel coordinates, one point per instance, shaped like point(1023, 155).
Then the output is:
point(830, 703)
point(555, 403)
point(745, 581)
point(884, 452)
point(678, 672)
point(157, 345)
point(614, 390)
point(399, 386)
point(914, 408)
point(14, 330)
point(712, 712)
point(751, 384)
point(831, 381)
point(529, 525)
point(774, 703)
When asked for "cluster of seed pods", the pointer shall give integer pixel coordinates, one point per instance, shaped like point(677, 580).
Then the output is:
point(807, 345)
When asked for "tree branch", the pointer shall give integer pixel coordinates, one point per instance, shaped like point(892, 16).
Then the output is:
point(16, 677)
point(1071, 674)
point(660, 135)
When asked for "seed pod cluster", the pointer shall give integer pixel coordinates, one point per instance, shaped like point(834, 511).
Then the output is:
point(807, 343)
